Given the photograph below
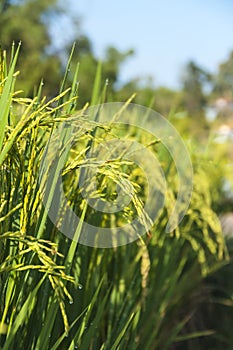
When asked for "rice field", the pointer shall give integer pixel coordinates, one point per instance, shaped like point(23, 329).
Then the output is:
point(57, 293)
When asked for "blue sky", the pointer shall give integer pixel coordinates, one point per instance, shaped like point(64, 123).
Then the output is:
point(165, 34)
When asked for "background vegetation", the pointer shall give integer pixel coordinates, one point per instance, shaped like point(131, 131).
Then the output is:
point(161, 292)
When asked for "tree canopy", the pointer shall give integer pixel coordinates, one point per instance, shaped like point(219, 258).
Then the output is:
point(223, 83)
point(31, 22)
point(27, 22)
point(40, 26)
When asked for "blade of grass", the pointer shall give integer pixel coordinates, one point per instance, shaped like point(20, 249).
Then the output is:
point(24, 313)
point(122, 333)
point(5, 98)
point(97, 86)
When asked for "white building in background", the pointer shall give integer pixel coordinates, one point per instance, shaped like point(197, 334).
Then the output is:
point(221, 106)
point(224, 133)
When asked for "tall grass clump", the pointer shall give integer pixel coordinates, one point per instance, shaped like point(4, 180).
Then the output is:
point(58, 294)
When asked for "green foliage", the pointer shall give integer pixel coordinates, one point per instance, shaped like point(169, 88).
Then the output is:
point(26, 22)
point(224, 78)
point(31, 22)
point(58, 294)
point(194, 97)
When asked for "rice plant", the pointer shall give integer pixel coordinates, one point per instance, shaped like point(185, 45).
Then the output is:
point(59, 294)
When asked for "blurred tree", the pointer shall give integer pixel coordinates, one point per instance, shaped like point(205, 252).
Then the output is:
point(167, 99)
point(111, 64)
point(45, 49)
point(195, 98)
point(27, 21)
point(161, 99)
point(223, 81)
point(193, 89)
